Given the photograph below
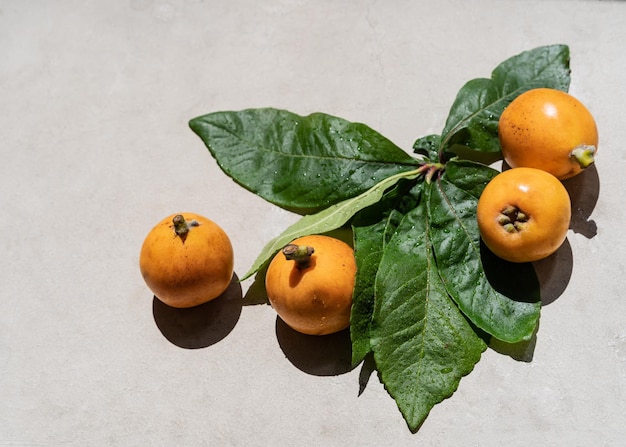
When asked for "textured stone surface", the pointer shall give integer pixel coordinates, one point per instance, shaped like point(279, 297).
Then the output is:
point(96, 97)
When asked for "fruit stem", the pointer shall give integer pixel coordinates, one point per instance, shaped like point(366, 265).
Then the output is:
point(431, 170)
point(181, 226)
point(301, 254)
point(583, 154)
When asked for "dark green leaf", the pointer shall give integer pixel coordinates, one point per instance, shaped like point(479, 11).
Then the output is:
point(455, 236)
point(469, 176)
point(474, 115)
point(422, 343)
point(372, 228)
point(428, 146)
point(299, 162)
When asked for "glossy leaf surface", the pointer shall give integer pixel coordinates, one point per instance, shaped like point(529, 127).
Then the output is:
point(422, 343)
point(372, 229)
point(474, 115)
point(299, 162)
point(454, 233)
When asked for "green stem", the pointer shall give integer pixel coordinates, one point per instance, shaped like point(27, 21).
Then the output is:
point(430, 170)
point(583, 154)
point(301, 254)
point(181, 226)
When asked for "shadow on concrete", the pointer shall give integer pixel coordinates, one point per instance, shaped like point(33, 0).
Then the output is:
point(256, 293)
point(554, 273)
point(584, 190)
point(200, 326)
point(318, 355)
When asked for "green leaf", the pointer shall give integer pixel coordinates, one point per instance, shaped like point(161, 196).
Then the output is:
point(328, 219)
point(372, 228)
point(422, 343)
point(301, 163)
point(428, 146)
point(509, 312)
point(474, 115)
point(469, 176)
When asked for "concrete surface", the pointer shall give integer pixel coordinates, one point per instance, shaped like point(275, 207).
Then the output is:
point(96, 97)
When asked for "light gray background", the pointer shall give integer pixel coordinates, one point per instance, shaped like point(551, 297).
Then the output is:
point(96, 96)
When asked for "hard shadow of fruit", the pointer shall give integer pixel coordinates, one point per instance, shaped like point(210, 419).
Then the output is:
point(200, 326)
point(516, 281)
point(318, 355)
point(554, 273)
point(550, 278)
point(584, 190)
